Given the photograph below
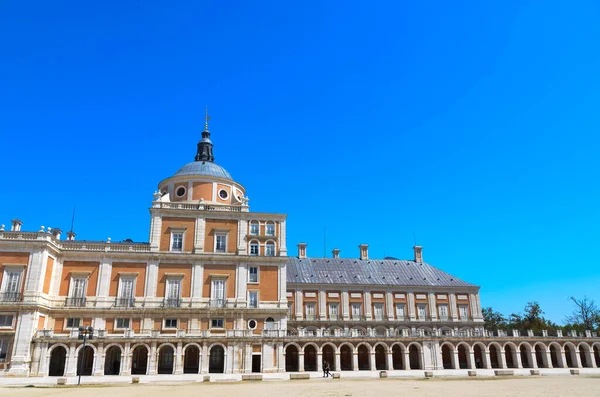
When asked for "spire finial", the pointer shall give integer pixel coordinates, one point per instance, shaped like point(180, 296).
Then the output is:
point(206, 119)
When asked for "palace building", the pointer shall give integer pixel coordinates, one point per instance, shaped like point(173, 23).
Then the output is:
point(215, 290)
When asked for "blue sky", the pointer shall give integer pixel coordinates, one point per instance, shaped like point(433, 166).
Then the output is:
point(472, 125)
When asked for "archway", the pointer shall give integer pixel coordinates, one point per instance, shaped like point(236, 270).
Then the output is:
point(139, 360)
point(85, 361)
point(525, 354)
point(58, 358)
point(583, 356)
point(597, 355)
point(479, 358)
point(509, 357)
point(397, 357)
point(447, 357)
point(216, 361)
point(291, 359)
point(570, 357)
point(364, 362)
point(165, 360)
point(540, 357)
point(380, 358)
point(310, 358)
point(191, 360)
point(329, 356)
point(555, 356)
point(346, 358)
point(494, 360)
point(112, 361)
point(414, 355)
point(463, 360)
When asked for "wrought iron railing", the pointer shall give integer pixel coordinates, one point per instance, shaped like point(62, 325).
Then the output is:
point(125, 302)
point(75, 302)
point(172, 302)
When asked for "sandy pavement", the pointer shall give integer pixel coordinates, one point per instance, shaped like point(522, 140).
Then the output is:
point(526, 386)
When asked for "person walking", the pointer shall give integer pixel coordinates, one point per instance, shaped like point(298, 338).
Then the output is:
point(325, 364)
point(327, 369)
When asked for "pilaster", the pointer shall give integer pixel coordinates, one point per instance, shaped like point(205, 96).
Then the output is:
point(432, 306)
point(452, 307)
point(155, 231)
point(199, 235)
point(322, 304)
point(104, 276)
point(21, 353)
point(179, 359)
point(411, 305)
point(242, 233)
point(282, 239)
point(197, 280)
point(368, 308)
point(299, 304)
point(345, 305)
point(389, 304)
point(151, 278)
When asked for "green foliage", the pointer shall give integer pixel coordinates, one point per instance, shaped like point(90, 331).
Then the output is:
point(493, 320)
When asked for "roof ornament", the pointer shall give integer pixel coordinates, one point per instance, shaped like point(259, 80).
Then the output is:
point(205, 146)
point(206, 119)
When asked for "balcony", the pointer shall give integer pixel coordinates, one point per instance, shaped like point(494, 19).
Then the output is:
point(125, 302)
point(172, 302)
point(7, 297)
point(217, 303)
point(75, 302)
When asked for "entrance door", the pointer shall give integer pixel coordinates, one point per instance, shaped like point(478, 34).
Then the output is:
point(256, 363)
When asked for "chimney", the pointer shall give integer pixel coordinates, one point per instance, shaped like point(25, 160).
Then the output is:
point(418, 253)
point(16, 225)
point(336, 253)
point(364, 252)
point(71, 235)
point(302, 250)
point(56, 232)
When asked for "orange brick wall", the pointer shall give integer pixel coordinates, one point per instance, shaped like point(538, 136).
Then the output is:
point(231, 226)
point(228, 270)
point(202, 190)
point(180, 223)
point(41, 321)
point(163, 269)
point(48, 275)
point(269, 285)
point(14, 258)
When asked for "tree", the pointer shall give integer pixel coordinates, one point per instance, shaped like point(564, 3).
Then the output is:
point(585, 316)
point(493, 320)
point(533, 319)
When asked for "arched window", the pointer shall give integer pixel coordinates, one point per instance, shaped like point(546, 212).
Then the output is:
point(270, 248)
point(253, 247)
point(270, 229)
point(254, 228)
point(269, 323)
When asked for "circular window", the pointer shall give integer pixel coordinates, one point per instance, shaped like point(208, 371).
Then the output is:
point(252, 324)
point(180, 191)
point(223, 194)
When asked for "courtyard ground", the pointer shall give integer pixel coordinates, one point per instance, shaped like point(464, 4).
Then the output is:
point(518, 386)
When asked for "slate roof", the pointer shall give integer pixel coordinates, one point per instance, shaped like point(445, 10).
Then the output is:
point(371, 272)
point(207, 168)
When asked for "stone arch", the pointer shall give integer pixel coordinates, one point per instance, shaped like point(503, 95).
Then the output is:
point(495, 351)
point(291, 351)
point(140, 356)
point(526, 352)
point(346, 357)
point(166, 359)
point(381, 354)
point(57, 359)
point(363, 351)
point(541, 356)
point(464, 354)
point(113, 355)
point(596, 353)
point(556, 355)
point(328, 350)
point(269, 323)
point(309, 351)
point(191, 358)
point(165, 344)
point(415, 356)
point(570, 355)
point(368, 346)
point(398, 351)
point(585, 355)
point(447, 350)
point(510, 355)
point(479, 355)
point(217, 358)
point(86, 359)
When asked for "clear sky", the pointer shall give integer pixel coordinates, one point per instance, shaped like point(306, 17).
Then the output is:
point(470, 125)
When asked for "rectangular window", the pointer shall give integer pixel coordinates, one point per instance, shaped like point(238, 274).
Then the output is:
point(122, 323)
point(73, 322)
point(422, 311)
point(6, 320)
point(270, 229)
point(290, 311)
point(4, 346)
point(216, 323)
point(221, 243)
point(356, 310)
point(443, 310)
point(253, 248)
point(253, 299)
point(78, 287)
point(378, 311)
point(254, 229)
point(270, 249)
point(218, 289)
point(253, 274)
point(176, 241)
point(126, 291)
point(171, 323)
point(173, 292)
point(333, 310)
point(12, 283)
point(400, 311)
point(310, 311)
point(463, 310)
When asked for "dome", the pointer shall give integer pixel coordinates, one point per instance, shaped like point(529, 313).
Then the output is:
point(204, 168)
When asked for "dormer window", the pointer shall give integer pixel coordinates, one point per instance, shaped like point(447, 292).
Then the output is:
point(270, 230)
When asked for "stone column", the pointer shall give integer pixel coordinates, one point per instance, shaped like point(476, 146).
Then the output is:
point(35, 362)
point(281, 355)
point(345, 303)
point(242, 233)
point(372, 363)
point(389, 304)
point(248, 359)
point(502, 358)
point(199, 231)
point(152, 359)
point(229, 359)
point(179, 359)
point(322, 305)
point(473, 306)
point(319, 361)
point(99, 359)
point(104, 276)
point(204, 360)
point(455, 358)
point(452, 307)
point(338, 361)
point(197, 281)
point(578, 359)
point(411, 306)
point(355, 361)
point(151, 278)
point(71, 367)
point(471, 358)
point(549, 359)
point(432, 306)
point(299, 305)
point(282, 239)
point(282, 273)
point(125, 368)
point(44, 360)
point(390, 361)
point(155, 232)
point(301, 361)
point(519, 360)
point(533, 358)
point(406, 359)
point(488, 361)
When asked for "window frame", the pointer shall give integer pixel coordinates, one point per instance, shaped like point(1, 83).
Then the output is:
point(79, 323)
point(172, 241)
point(116, 324)
point(72, 286)
point(221, 320)
point(269, 223)
point(419, 306)
point(376, 306)
point(466, 315)
point(397, 306)
point(5, 345)
point(12, 320)
point(257, 224)
point(269, 244)
point(312, 305)
point(133, 280)
point(333, 309)
point(8, 270)
point(352, 306)
point(440, 315)
point(256, 293)
point(171, 320)
point(224, 235)
point(254, 244)
point(257, 275)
